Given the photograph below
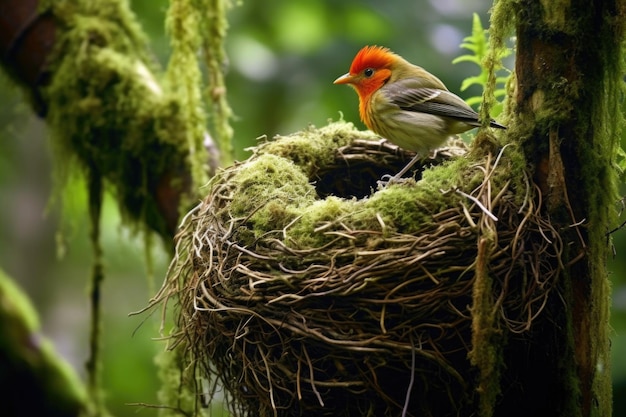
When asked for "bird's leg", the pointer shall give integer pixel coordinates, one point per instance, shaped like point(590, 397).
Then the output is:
point(406, 168)
point(398, 177)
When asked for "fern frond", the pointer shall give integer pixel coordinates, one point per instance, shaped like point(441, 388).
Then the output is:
point(477, 43)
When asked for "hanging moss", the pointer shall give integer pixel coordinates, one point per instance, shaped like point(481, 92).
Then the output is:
point(117, 122)
point(213, 27)
point(109, 113)
point(178, 385)
point(184, 79)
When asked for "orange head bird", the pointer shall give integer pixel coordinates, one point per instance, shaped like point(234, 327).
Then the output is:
point(406, 104)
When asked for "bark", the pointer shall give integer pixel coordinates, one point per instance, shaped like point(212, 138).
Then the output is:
point(567, 118)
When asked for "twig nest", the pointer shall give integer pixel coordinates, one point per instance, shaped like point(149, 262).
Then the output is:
point(306, 289)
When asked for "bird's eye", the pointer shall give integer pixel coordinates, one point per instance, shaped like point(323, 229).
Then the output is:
point(368, 72)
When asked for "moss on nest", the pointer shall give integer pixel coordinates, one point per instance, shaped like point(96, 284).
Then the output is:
point(268, 193)
point(283, 172)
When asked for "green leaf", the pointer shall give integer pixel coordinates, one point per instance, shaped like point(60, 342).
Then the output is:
point(466, 58)
point(468, 82)
point(478, 45)
point(472, 101)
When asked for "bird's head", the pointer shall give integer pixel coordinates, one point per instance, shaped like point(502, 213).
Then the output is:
point(371, 68)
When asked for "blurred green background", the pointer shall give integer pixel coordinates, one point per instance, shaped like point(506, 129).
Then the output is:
point(284, 55)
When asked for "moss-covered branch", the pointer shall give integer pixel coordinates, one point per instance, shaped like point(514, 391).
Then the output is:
point(109, 110)
point(35, 381)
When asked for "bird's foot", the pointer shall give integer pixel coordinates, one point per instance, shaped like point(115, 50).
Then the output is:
point(387, 180)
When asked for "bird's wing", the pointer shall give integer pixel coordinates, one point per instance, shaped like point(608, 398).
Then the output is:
point(411, 97)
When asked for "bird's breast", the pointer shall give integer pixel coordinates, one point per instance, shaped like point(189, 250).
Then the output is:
point(415, 131)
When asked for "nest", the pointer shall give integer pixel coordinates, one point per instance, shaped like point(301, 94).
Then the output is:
point(306, 288)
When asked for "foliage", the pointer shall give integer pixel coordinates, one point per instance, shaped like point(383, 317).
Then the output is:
point(478, 45)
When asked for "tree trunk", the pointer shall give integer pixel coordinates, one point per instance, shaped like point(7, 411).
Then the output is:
point(567, 119)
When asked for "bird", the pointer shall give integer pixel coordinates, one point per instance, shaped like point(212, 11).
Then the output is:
point(406, 104)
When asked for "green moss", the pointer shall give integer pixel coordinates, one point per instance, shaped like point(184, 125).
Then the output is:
point(213, 27)
point(569, 122)
point(487, 338)
point(268, 193)
point(314, 148)
point(178, 385)
point(110, 115)
point(407, 208)
point(28, 362)
point(274, 189)
point(309, 230)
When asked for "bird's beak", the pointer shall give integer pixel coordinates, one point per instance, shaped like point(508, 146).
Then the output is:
point(344, 79)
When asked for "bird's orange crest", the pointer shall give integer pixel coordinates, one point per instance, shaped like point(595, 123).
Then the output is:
point(371, 57)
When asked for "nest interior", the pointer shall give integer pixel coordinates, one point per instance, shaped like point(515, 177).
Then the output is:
point(304, 288)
